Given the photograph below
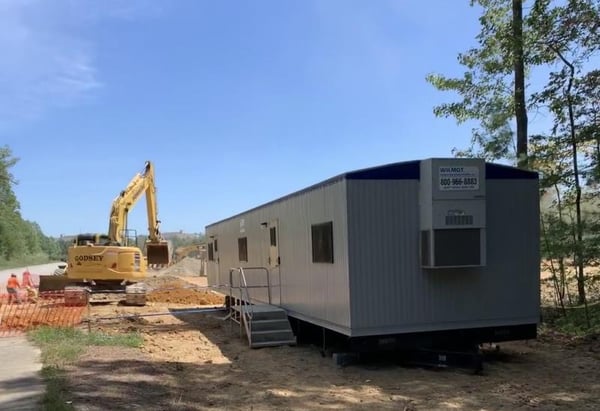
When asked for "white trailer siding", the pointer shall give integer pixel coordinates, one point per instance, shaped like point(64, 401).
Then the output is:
point(391, 293)
point(317, 292)
point(377, 283)
point(385, 285)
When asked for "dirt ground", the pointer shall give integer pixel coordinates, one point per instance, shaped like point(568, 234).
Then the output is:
point(199, 361)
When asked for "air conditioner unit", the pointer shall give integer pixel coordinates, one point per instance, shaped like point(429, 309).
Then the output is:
point(452, 213)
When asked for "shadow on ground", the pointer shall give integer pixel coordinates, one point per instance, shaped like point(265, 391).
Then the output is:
point(526, 376)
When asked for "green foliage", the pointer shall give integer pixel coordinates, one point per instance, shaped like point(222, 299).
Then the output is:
point(24, 261)
point(21, 241)
point(8, 200)
point(551, 31)
point(560, 38)
point(568, 38)
point(575, 321)
point(486, 86)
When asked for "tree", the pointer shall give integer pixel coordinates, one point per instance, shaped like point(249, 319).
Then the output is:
point(493, 86)
point(8, 200)
point(568, 37)
point(11, 242)
point(18, 238)
point(559, 37)
point(518, 58)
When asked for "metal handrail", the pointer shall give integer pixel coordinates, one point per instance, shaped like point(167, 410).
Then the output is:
point(246, 316)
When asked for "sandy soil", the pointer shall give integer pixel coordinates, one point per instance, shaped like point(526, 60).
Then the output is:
point(200, 362)
point(548, 292)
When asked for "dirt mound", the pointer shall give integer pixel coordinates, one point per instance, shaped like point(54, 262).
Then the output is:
point(170, 289)
point(187, 267)
point(166, 281)
point(185, 296)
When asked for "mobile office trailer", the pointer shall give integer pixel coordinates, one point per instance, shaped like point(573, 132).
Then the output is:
point(436, 249)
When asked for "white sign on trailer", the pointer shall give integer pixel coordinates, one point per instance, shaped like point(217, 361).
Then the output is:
point(458, 178)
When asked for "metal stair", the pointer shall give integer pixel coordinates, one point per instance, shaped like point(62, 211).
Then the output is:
point(265, 325)
point(268, 325)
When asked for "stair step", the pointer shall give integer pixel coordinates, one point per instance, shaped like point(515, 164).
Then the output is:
point(262, 311)
point(270, 325)
point(276, 335)
point(263, 325)
point(273, 343)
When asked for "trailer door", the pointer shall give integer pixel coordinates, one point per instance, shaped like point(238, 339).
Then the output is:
point(274, 262)
point(274, 259)
point(213, 258)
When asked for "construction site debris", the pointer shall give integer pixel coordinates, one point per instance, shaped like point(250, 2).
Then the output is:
point(166, 281)
point(178, 295)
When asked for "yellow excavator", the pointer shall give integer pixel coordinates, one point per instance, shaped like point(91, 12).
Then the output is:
point(111, 262)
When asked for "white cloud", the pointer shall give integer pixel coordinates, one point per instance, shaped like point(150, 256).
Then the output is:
point(46, 61)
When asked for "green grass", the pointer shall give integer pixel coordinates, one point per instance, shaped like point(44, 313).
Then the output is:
point(55, 398)
point(63, 346)
point(575, 322)
point(24, 261)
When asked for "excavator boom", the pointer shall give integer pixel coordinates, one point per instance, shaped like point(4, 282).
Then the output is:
point(157, 249)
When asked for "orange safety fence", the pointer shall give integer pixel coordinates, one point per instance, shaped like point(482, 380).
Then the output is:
point(31, 311)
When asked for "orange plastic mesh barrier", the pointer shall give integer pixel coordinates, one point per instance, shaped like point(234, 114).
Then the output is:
point(28, 312)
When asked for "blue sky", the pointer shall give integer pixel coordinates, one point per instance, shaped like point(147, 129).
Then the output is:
point(236, 102)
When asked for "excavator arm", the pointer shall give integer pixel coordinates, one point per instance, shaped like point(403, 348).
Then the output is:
point(157, 248)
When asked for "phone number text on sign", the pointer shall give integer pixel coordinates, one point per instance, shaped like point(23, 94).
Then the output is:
point(458, 178)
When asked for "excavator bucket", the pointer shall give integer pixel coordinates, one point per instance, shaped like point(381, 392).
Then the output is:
point(158, 253)
point(53, 282)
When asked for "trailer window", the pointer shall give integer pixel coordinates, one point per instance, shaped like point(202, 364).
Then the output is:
point(211, 255)
point(273, 235)
point(243, 249)
point(322, 242)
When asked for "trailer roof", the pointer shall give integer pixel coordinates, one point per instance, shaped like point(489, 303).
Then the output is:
point(406, 170)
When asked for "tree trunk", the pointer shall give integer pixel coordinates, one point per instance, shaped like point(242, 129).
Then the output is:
point(558, 296)
point(519, 68)
point(561, 258)
point(581, 297)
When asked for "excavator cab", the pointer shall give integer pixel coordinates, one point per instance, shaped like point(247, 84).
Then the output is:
point(91, 238)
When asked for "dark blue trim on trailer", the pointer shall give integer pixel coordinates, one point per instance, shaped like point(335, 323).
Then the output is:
point(502, 172)
point(409, 170)
point(406, 170)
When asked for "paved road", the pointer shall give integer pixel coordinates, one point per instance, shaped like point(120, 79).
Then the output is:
point(35, 270)
point(21, 384)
